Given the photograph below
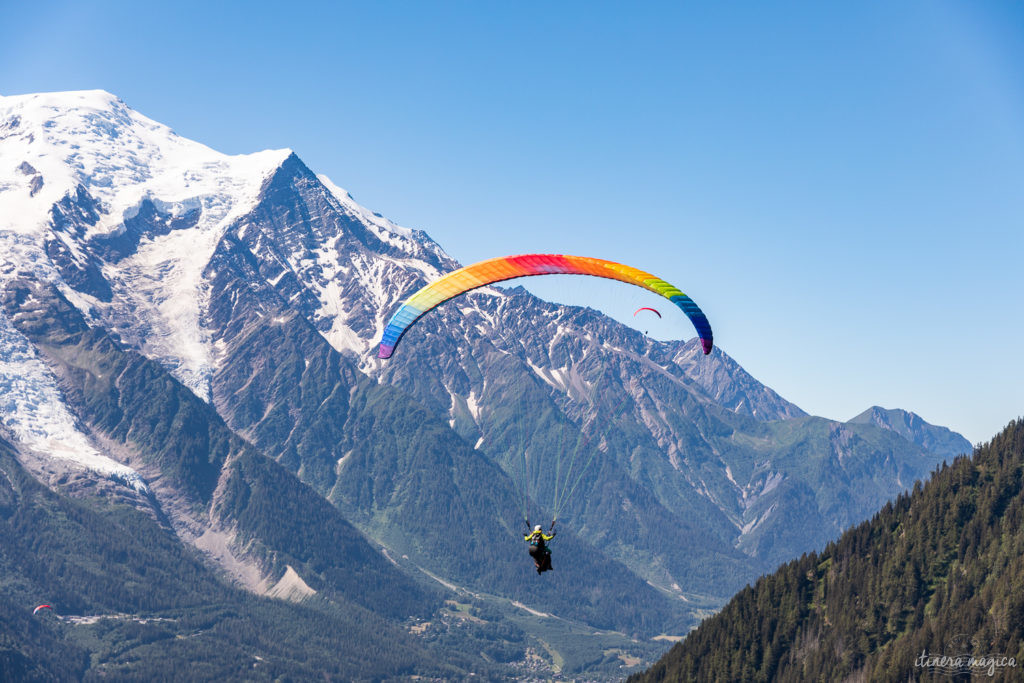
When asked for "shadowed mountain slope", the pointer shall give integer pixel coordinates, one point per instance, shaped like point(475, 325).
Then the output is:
point(131, 601)
point(204, 478)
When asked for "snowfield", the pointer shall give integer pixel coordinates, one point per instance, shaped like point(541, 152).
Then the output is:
point(32, 408)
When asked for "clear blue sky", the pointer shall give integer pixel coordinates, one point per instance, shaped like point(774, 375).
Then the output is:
point(839, 185)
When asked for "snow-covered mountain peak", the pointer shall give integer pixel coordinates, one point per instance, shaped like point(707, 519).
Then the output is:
point(348, 201)
point(412, 242)
point(51, 143)
point(36, 105)
point(76, 171)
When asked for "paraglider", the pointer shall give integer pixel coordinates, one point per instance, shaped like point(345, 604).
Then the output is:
point(539, 550)
point(499, 269)
point(509, 267)
point(646, 308)
point(41, 607)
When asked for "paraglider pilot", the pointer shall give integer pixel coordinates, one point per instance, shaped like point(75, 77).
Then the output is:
point(539, 550)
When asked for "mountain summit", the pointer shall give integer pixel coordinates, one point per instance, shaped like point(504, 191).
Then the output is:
point(912, 427)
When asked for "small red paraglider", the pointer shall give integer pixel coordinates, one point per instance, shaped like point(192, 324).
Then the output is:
point(646, 308)
point(36, 610)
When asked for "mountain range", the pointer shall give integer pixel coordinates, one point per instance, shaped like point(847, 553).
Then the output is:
point(187, 356)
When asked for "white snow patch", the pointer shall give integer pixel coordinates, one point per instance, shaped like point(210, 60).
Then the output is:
point(545, 374)
point(340, 336)
point(474, 406)
point(32, 407)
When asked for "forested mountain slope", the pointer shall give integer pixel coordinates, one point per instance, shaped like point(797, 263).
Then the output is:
point(940, 571)
point(131, 601)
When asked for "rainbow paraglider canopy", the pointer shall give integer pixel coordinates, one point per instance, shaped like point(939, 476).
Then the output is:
point(508, 267)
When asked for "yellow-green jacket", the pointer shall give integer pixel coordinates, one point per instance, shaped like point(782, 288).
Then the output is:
point(534, 536)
